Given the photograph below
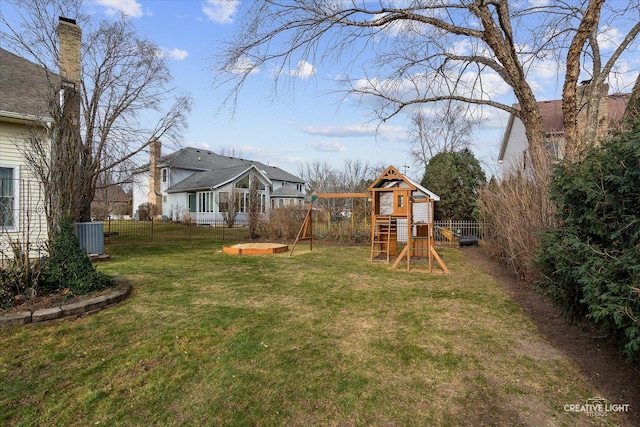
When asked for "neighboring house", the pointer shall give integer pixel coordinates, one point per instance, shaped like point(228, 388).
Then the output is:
point(26, 92)
point(514, 156)
point(198, 185)
point(111, 202)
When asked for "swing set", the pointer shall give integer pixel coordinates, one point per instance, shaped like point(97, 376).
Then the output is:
point(402, 211)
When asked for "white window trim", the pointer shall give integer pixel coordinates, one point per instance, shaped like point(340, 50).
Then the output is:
point(16, 198)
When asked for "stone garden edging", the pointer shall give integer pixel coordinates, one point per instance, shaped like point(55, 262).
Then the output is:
point(75, 309)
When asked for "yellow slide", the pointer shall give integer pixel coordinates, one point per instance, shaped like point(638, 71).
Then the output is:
point(447, 234)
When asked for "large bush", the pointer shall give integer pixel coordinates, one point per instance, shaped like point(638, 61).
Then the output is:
point(281, 223)
point(590, 261)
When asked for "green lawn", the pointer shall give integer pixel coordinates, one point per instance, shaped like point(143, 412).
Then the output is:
point(321, 338)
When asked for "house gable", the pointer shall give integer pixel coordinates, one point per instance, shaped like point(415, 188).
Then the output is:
point(392, 192)
point(391, 177)
point(514, 145)
point(214, 179)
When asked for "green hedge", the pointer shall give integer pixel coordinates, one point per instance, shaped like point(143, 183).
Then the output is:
point(590, 262)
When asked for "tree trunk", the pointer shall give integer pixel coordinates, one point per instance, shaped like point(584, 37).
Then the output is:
point(588, 25)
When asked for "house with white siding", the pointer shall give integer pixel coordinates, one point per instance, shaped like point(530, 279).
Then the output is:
point(200, 186)
point(25, 89)
point(27, 93)
point(514, 157)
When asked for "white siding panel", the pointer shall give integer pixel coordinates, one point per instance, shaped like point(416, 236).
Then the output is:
point(515, 149)
point(30, 222)
point(176, 207)
point(140, 190)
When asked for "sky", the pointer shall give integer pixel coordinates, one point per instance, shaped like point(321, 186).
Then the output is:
point(306, 119)
point(303, 121)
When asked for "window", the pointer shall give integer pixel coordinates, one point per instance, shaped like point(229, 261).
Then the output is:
point(242, 202)
point(243, 183)
point(553, 149)
point(8, 197)
point(164, 175)
point(223, 201)
point(205, 202)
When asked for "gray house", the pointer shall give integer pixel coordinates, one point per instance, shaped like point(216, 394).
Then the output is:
point(198, 185)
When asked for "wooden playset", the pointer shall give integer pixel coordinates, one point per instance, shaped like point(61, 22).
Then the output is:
point(402, 211)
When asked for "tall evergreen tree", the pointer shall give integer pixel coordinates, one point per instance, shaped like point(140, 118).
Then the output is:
point(455, 176)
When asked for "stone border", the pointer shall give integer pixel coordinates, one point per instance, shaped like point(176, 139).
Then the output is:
point(75, 309)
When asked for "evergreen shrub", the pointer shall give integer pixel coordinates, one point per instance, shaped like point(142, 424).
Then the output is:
point(69, 267)
point(590, 260)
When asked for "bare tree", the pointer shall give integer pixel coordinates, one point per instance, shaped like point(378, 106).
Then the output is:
point(228, 205)
point(426, 51)
point(230, 151)
point(319, 176)
point(124, 93)
point(449, 129)
point(354, 177)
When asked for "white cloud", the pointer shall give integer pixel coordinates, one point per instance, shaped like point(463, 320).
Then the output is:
point(427, 86)
point(384, 132)
point(130, 8)
point(175, 53)
point(328, 146)
point(355, 130)
point(622, 77)
point(221, 11)
point(242, 66)
point(304, 70)
point(204, 145)
point(609, 38)
point(545, 69)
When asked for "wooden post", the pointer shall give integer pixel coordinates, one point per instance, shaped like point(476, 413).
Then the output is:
point(306, 230)
point(409, 230)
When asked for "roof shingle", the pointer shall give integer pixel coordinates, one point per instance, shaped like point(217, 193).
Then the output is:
point(25, 88)
point(214, 169)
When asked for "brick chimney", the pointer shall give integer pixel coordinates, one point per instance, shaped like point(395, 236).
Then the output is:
point(70, 39)
point(155, 197)
point(600, 93)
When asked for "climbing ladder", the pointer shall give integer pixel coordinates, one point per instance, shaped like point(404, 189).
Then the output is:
point(384, 238)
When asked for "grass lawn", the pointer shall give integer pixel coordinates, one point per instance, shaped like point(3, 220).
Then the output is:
point(321, 338)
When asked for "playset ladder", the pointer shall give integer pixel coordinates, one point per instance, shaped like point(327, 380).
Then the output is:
point(384, 236)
